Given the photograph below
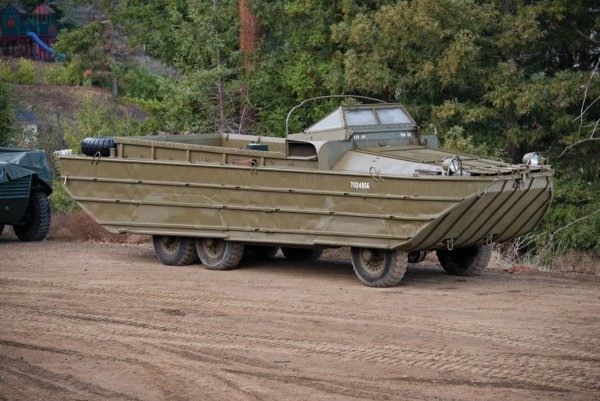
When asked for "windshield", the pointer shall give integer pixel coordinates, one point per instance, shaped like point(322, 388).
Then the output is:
point(376, 116)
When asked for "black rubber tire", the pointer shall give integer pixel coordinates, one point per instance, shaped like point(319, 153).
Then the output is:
point(302, 254)
point(257, 252)
point(102, 144)
point(1, 228)
point(470, 261)
point(38, 218)
point(175, 251)
point(379, 267)
point(218, 254)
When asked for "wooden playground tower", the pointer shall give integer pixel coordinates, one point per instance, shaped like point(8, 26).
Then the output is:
point(18, 26)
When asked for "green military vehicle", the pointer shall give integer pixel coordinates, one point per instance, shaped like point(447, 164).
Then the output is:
point(361, 177)
point(25, 183)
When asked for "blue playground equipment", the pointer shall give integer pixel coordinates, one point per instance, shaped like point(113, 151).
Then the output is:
point(29, 35)
point(36, 39)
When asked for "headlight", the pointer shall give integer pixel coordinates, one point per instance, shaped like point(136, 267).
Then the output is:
point(452, 165)
point(531, 159)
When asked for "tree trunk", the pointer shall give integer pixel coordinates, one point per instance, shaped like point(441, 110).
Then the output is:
point(114, 85)
point(250, 35)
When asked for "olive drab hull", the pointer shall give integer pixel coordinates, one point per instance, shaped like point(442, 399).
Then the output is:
point(299, 206)
point(361, 177)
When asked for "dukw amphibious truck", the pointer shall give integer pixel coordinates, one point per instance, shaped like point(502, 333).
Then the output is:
point(360, 177)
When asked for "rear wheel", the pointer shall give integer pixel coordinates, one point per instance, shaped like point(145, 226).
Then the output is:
point(257, 252)
point(175, 251)
point(306, 254)
point(379, 267)
point(470, 261)
point(38, 220)
point(218, 254)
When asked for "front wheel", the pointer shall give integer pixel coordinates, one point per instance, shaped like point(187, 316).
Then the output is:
point(38, 219)
point(218, 254)
point(379, 267)
point(470, 261)
point(175, 251)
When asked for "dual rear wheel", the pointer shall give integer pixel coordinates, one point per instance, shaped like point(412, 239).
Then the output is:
point(219, 254)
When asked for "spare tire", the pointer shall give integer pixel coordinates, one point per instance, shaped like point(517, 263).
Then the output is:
point(102, 145)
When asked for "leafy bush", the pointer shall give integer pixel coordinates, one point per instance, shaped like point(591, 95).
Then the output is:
point(55, 75)
point(6, 72)
point(63, 74)
point(26, 75)
point(60, 200)
point(137, 82)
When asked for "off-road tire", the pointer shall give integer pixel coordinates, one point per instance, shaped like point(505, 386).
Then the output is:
point(102, 145)
point(257, 252)
point(379, 267)
point(38, 220)
point(302, 254)
point(470, 261)
point(218, 254)
point(175, 251)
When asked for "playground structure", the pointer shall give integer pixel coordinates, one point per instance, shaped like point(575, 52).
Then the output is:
point(28, 35)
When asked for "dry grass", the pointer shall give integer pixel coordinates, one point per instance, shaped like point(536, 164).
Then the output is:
point(577, 262)
point(81, 227)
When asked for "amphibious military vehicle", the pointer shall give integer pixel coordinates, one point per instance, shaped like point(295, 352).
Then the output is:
point(361, 177)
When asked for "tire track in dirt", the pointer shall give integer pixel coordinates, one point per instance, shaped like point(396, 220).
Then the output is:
point(536, 371)
point(166, 377)
point(548, 341)
point(40, 378)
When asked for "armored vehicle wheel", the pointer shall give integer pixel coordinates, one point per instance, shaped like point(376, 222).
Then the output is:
point(470, 261)
point(259, 252)
point(306, 254)
point(38, 220)
point(175, 251)
point(379, 267)
point(218, 254)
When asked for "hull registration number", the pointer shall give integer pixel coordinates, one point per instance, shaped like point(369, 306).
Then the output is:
point(359, 185)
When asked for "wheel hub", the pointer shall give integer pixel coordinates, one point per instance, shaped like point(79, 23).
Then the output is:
point(169, 244)
point(214, 247)
point(373, 260)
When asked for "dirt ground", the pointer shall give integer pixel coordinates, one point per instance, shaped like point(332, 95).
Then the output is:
point(85, 321)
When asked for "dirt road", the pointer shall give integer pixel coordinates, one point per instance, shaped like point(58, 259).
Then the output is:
point(83, 321)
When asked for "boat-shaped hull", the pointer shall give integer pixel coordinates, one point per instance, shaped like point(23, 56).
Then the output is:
point(304, 206)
